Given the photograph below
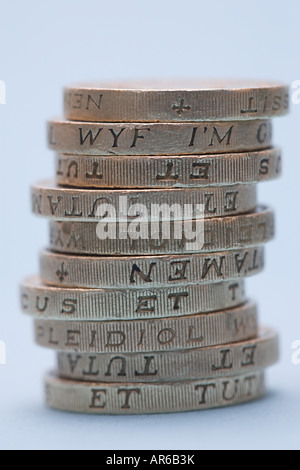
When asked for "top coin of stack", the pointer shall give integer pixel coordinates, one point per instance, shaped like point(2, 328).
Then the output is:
point(187, 100)
point(147, 322)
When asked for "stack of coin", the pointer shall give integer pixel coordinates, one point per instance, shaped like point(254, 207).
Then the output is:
point(154, 226)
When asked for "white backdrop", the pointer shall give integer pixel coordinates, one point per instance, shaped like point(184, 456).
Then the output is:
point(45, 45)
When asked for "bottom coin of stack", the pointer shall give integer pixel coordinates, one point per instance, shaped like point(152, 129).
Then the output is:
point(143, 398)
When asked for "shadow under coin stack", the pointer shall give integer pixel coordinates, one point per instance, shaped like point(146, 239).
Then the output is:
point(143, 322)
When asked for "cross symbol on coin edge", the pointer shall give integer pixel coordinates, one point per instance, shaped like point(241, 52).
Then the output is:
point(62, 273)
point(179, 108)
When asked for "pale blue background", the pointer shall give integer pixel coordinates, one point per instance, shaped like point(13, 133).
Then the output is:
point(45, 45)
